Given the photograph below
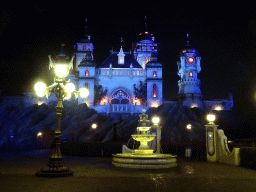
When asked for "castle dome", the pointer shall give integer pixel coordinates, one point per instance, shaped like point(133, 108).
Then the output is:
point(188, 48)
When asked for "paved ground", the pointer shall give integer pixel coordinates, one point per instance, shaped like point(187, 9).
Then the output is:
point(17, 173)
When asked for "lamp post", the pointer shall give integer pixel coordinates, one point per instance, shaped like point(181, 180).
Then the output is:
point(62, 90)
point(211, 138)
point(158, 128)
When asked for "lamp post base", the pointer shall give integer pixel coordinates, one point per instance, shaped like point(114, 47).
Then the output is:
point(53, 170)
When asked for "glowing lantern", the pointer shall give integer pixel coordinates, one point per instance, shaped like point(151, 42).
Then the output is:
point(211, 118)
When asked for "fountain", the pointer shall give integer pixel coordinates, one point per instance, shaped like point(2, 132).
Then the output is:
point(144, 157)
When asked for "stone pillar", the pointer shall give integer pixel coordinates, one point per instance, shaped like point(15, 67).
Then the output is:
point(211, 142)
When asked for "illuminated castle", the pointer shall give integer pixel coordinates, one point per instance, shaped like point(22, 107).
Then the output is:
point(127, 82)
point(131, 80)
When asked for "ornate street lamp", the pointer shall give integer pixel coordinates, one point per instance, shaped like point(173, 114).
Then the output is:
point(158, 128)
point(62, 90)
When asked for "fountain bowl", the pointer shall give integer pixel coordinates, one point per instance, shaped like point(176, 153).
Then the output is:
point(144, 161)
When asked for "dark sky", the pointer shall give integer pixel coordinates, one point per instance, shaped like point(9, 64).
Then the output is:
point(223, 35)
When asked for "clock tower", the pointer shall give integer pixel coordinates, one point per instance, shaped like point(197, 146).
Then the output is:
point(189, 84)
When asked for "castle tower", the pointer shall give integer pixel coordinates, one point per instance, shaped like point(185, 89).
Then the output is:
point(86, 78)
point(188, 68)
point(142, 51)
point(85, 44)
point(154, 82)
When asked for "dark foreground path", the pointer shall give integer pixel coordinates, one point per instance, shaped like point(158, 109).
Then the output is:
point(17, 173)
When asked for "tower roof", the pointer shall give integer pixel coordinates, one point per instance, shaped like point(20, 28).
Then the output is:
point(113, 59)
point(146, 35)
point(154, 62)
point(188, 48)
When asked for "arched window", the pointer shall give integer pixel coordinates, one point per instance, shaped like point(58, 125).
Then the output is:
point(154, 74)
point(190, 74)
point(154, 90)
point(87, 73)
point(86, 85)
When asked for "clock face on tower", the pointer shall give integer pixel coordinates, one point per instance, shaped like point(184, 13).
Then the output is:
point(190, 60)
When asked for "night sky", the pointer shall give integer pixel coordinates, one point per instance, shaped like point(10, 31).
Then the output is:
point(223, 35)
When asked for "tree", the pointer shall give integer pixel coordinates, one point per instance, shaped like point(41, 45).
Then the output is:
point(99, 93)
point(141, 92)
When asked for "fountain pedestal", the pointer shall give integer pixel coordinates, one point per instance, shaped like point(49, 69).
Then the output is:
point(144, 158)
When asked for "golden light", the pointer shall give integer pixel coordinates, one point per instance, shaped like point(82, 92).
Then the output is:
point(189, 126)
point(70, 87)
point(94, 126)
point(154, 105)
point(218, 108)
point(61, 70)
point(40, 102)
point(40, 89)
point(155, 120)
point(84, 92)
point(194, 105)
point(211, 118)
point(39, 134)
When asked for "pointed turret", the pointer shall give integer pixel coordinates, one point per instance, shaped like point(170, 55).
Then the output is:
point(82, 46)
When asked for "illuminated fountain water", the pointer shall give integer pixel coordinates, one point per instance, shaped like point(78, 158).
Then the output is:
point(143, 157)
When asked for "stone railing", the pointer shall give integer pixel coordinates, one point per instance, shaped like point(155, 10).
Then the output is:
point(119, 108)
point(121, 72)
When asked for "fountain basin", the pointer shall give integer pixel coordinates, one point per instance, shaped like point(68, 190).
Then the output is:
point(140, 161)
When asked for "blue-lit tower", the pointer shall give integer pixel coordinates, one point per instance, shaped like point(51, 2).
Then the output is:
point(85, 67)
point(189, 84)
point(154, 82)
point(142, 50)
point(85, 44)
point(87, 73)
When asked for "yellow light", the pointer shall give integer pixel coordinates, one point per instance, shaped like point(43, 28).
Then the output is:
point(154, 105)
point(39, 134)
point(94, 125)
point(70, 87)
point(189, 126)
point(211, 118)
point(218, 108)
point(155, 120)
point(61, 70)
point(84, 92)
point(40, 89)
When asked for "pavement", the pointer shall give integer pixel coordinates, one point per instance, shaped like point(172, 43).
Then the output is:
point(17, 173)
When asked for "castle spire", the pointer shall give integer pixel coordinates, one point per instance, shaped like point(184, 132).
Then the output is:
point(188, 40)
point(146, 26)
point(86, 31)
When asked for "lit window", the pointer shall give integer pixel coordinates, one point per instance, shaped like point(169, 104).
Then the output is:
point(190, 74)
point(121, 60)
point(154, 74)
point(87, 73)
point(154, 90)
